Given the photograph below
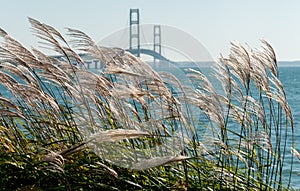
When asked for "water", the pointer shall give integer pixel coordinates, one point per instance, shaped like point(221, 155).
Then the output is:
point(290, 78)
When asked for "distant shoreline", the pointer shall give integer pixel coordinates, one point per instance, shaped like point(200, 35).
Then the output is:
point(289, 63)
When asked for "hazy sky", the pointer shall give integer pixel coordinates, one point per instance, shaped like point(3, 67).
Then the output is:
point(215, 23)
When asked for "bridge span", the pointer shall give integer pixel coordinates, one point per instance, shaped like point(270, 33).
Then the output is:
point(149, 52)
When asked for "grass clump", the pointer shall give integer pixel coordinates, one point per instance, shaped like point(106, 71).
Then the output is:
point(65, 128)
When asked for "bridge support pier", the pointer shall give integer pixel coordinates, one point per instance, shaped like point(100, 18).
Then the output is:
point(156, 41)
point(134, 31)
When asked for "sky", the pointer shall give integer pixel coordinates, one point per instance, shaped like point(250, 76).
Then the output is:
point(214, 23)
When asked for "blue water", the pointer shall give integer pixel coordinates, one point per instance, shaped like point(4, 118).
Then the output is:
point(290, 78)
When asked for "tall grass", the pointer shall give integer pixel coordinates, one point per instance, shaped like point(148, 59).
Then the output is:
point(65, 128)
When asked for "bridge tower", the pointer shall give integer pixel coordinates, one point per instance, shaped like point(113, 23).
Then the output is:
point(134, 31)
point(156, 40)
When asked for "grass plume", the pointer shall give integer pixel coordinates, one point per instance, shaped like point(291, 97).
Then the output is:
point(125, 128)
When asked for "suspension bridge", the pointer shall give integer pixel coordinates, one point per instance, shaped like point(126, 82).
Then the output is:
point(175, 40)
point(134, 38)
point(135, 42)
